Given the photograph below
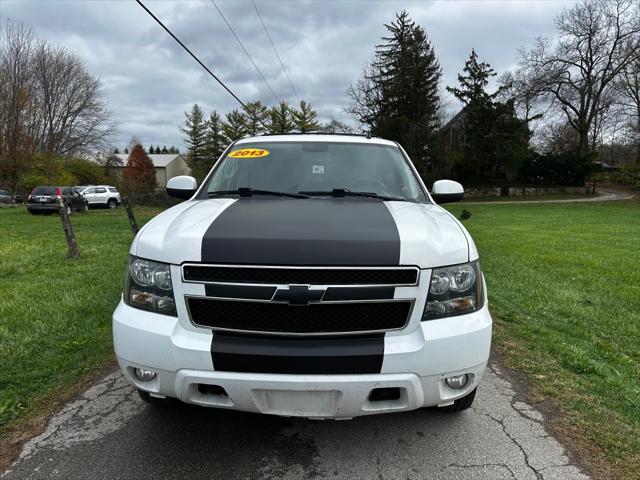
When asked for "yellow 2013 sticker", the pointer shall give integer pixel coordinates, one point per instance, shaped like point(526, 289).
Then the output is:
point(249, 153)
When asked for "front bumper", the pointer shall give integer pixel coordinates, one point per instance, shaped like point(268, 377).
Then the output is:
point(416, 362)
point(43, 207)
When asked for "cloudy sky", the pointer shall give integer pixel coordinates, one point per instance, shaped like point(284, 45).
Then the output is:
point(150, 81)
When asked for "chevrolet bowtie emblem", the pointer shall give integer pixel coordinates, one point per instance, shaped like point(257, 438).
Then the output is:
point(299, 295)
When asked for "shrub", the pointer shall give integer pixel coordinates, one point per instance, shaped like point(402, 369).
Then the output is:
point(44, 170)
point(139, 176)
point(567, 168)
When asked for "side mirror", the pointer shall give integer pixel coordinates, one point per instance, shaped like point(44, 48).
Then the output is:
point(182, 186)
point(446, 191)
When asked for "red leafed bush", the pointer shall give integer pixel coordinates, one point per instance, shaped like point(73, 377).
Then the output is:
point(139, 176)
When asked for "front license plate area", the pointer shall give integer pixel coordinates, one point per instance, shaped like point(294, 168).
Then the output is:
point(298, 403)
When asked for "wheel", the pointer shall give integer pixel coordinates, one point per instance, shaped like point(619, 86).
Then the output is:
point(157, 402)
point(461, 403)
point(112, 203)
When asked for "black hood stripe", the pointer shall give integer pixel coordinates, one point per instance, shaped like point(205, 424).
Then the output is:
point(302, 232)
point(285, 231)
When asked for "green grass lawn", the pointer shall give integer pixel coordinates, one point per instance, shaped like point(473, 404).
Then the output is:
point(564, 289)
point(55, 313)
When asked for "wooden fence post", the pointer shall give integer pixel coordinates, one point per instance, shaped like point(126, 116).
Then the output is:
point(132, 218)
point(74, 252)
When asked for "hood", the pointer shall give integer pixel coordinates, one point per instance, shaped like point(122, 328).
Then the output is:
point(286, 231)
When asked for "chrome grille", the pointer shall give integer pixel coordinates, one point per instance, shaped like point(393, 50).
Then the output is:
point(306, 301)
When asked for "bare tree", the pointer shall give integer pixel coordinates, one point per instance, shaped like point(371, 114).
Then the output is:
point(74, 114)
point(49, 103)
point(597, 39)
point(17, 44)
point(628, 87)
point(336, 126)
point(366, 97)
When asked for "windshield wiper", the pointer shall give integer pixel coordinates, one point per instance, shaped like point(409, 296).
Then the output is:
point(343, 192)
point(248, 192)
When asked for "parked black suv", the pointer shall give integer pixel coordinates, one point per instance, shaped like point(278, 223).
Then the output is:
point(45, 200)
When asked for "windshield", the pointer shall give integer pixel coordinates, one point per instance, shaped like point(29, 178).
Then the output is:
point(44, 191)
point(315, 168)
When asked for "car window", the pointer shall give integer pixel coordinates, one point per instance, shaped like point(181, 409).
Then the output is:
point(4, 192)
point(317, 166)
point(90, 190)
point(44, 191)
point(101, 190)
point(113, 190)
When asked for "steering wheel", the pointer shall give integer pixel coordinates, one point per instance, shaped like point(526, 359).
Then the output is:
point(367, 182)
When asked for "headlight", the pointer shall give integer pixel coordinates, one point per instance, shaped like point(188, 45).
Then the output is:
point(148, 286)
point(454, 290)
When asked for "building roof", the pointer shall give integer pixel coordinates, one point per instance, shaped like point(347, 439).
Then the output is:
point(455, 119)
point(160, 160)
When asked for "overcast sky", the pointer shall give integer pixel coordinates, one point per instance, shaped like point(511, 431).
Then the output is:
point(150, 81)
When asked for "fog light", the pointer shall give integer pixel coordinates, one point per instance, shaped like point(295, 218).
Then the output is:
point(144, 375)
point(457, 382)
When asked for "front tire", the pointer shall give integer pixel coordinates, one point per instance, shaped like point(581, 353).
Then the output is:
point(460, 404)
point(112, 203)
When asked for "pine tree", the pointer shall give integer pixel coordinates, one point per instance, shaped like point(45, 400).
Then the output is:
point(126, 150)
point(305, 119)
point(234, 128)
point(281, 118)
point(116, 151)
point(256, 118)
point(397, 97)
point(473, 85)
point(495, 140)
point(139, 176)
point(194, 129)
point(164, 149)
point(215, 143)
point(151, 150)
point(214, 138)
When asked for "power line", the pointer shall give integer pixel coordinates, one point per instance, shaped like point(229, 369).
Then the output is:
point(276, 51)
point(191, 53)
point(246, 52)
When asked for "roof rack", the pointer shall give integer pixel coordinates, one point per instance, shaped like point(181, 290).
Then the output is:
point(367, 135)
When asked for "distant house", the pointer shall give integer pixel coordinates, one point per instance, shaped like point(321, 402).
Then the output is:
point(167, 165)
point(453, 132)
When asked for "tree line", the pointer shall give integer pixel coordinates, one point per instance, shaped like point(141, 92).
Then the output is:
point(546, 121)
point(207, 137)
point(151, 150)
point(573, 98)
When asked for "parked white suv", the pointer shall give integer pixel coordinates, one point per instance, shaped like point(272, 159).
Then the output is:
point(309, 275)
point(101, 196)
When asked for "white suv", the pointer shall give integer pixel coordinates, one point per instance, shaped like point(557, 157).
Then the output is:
point(101, 196)
point(311, 276)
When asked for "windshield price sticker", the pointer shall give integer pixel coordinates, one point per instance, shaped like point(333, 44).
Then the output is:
point(249, 153)
point(318, 170)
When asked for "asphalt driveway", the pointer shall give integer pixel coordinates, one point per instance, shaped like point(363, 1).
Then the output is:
point(109, 433)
